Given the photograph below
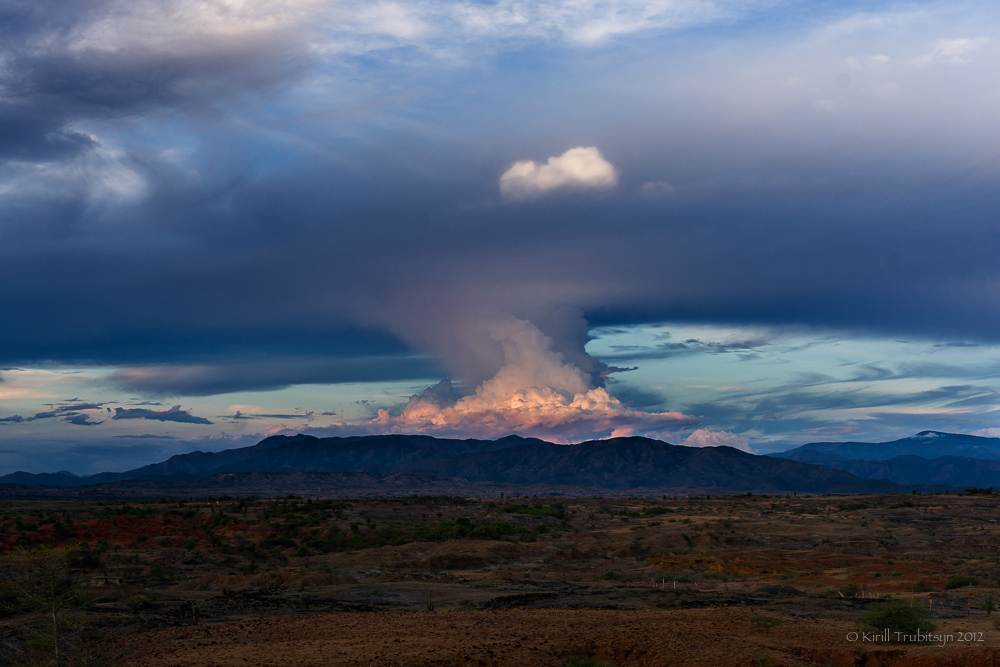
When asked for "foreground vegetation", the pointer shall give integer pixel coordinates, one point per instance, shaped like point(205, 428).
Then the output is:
point(77, 578)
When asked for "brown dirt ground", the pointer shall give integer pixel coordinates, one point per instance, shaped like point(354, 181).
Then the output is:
point(634, 582)
point(702, 637)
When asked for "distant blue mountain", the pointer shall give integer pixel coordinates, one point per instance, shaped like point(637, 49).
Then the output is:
point(930, 457)
point(61, 478)
point(926, 444)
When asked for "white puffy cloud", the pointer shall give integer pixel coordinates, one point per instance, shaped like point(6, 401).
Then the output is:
point(706, 438)
point(583, 168)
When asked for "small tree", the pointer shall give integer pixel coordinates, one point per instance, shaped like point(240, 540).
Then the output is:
point(961, 581)
point(898, 617)
point(989, 605)
point(849, 590)
point(39, 584)
point(39, 579)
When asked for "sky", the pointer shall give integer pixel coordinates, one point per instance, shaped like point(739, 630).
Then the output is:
point(753, 223)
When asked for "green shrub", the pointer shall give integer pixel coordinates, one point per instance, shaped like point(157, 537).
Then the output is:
point(762, 658)
point(896, 616)
point(140, 603)
point(851, 507)
point(988, 605)
point(585, 661)
point(849, 590)
point(960, 581)
point(765, 623)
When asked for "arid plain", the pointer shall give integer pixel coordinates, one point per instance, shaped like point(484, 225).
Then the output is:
point(739, 580)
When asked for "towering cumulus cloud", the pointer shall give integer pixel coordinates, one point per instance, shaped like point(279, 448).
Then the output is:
point(536, 392)
point(579, 168)
point(706, 438)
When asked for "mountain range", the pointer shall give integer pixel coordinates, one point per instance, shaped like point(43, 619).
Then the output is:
point(615, 463)
point(926, 444)
point(929, 457)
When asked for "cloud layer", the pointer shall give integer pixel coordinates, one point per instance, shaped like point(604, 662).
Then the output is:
point(215, 197)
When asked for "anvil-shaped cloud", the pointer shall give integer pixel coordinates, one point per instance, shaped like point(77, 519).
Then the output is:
point(535, 393)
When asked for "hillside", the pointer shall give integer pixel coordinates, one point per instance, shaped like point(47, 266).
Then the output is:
point(926, 444)
point(622, 463)
point(959, 471)
point(615, 463)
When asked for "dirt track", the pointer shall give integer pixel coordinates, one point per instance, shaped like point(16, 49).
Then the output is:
point(705, 637)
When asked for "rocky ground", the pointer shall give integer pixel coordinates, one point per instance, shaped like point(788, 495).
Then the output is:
point(704, 637)
point(532, 581)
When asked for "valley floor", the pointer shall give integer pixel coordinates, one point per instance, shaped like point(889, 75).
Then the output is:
point(713, 637)
point(743, 580)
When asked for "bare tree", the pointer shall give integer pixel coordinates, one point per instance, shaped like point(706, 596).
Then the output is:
point(41, 582)
point(41, 589)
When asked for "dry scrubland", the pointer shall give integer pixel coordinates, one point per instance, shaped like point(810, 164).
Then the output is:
point(512, 581)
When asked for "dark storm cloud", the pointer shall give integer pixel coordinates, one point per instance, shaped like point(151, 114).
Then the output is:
point(12, 419)
point(174, 414)
point(147, 436)
point(462, 261)
point(333, 248)
point(80, 419)
point(710, 267)
point(65, 410)
point(66, 62)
